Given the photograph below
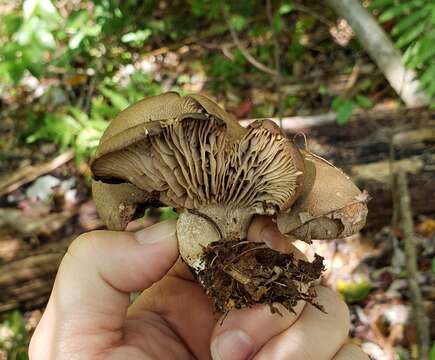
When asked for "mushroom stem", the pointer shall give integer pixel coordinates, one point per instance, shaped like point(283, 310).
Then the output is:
point(196, 229)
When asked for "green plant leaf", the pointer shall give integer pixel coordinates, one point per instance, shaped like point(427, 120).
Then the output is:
point(408, 21)
point(79, 115)
point(290, 101)
point(12, 23)
point(167, 213)
point(414, 31)
point(426, 51)
point(76, 20)
point(432, 352)
point(337, 102)
point(354, 291)
point(344, 112)
point(363, 101)
point(238, 22)
point(15, 70)
point(76, 40)
point(278, 23)
point(285, 9)
point(117, 100)
point(137, 37)
point(398, 9)
point(378, 4)
point(428, 76)
point(46, 39)
point(411, 35)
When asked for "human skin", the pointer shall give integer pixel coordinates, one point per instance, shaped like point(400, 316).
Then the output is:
point(89, 315)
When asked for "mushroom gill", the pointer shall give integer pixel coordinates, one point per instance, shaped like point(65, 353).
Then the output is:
point(216, 182)
point(192, 163)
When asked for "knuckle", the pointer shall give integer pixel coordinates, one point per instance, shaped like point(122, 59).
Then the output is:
point(84, 242)
point(335, 305)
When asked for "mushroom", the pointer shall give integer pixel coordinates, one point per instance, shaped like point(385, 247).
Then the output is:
point(189, 154)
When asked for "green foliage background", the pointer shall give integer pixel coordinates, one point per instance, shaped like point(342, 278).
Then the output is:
point(413, 31)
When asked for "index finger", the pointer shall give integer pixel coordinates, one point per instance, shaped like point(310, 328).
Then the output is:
point(91, 290)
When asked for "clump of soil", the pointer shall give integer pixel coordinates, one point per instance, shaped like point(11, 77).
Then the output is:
point(240, 273)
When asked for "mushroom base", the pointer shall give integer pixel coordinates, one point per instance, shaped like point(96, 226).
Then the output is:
point(238, 274)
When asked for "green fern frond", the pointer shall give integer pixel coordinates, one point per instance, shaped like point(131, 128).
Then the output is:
point(414, 34)
point(397, 10)
point(409, 36)
point(407, 22)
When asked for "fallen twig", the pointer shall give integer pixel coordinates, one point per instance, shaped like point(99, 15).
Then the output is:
point(253, 61)
point(295, 123)
point(407, 226)
point(11, 182)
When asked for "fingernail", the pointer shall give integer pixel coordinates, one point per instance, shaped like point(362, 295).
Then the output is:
point(271, 236)
point(160, 232)
point(232, 345)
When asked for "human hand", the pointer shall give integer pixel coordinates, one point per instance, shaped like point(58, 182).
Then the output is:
point(88, 315)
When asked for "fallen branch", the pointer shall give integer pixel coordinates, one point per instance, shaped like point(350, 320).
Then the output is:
point(297, 123)
point(27, 225)
point(380, 48)
point(300, 123)
point(26, 174)
point(407, 226)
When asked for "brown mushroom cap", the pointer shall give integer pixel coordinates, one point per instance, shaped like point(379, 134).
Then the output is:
point(138, 120)
point(117, 203)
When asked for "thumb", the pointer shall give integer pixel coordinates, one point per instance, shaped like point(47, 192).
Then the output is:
point(96, 275)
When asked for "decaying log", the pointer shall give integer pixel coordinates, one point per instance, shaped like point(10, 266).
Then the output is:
point(28, 225)
point(11, 182)
point(362, 149)
point(375, 178)
point(26, 282)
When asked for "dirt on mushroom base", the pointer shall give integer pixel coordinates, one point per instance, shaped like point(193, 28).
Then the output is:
point(238, 274)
